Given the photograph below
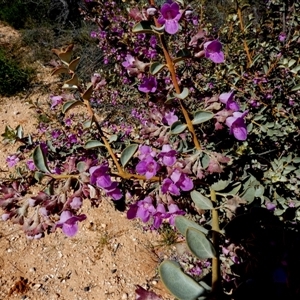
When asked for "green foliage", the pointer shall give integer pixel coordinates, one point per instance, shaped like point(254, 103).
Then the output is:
point(13, 77)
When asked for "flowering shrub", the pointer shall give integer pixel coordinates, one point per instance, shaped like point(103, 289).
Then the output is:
point(224, 159)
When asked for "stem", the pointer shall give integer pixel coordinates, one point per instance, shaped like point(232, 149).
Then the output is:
point(171, 67)
point(215, 236)
point(239, 12)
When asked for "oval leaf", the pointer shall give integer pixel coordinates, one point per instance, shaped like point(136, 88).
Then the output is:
point(199, 245)
point(295, 88)
point(93, 144)
point(74, 63)
point(201, 201)
point(70, 104)
point(177, 127)
point(183, 94)
point(182, 224)
point(88, 92)
point(202, 116)
point(127, 154)
point(60, 70)
point(179, 284)
point(40, 160)
point(156, 67)
point(143, 27)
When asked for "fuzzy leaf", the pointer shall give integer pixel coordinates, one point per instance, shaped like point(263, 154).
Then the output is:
point(199, 245)
point(182, 224)
point(127, 154)
point(202, 116)
point(88, 92)
point(201, 201)
point(40, 160)
point(179, 284)
point(93, 144)
point(156, 67)
point(177, 127)
point(70, 104)
point(74, 63)
point(183, 94)
point(60, 70)
point(295, 88)
point(71, 83)
point(220, 185)
point(143, 27)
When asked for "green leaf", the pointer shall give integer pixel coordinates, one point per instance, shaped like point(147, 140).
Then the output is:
point(93, 144)
point(202, 116)
point(127, 154)
point(201, 201)
point(183, 94)
point(295, 88)
point(291, 62)
point(199, 245)
point(40, 160)
point(249, 195)
point(81, 166)
point(87, 124)
point(143, 27)
point(177, 127)
point(156, 67)
point(182, 286)
point(296, 69)
point(70, 104)
point(158, 30)
point(182, 224)
point(220, 185)
point(38, 176)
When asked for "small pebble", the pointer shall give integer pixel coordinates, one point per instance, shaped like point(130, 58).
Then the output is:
point(86, 289)
point(124, 296)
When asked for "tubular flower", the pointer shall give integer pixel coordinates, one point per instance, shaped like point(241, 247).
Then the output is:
point(213, 51)
point(237, 125)
point(170, 15)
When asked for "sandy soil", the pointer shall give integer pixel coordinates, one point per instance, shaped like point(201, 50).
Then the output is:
point(107, 258)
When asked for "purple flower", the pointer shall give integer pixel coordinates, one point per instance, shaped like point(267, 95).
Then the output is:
point(173, 212)
point(12, 160)
point(147, 167)
point(237, 125)
point(113, 191)
point(145, 151)
point(170, 15)
point(68, 223)
point(227, 99)
point(149, 85)
point(129, 61)
point(159, 215)
point(282, 37)
point(168, 155)
point(143, 209)
point(170, 117)
point(182, 180)
point(55, 100)
point(76, 203)
point(213, 51)
point(169, 186)
point(99, 176)
point(30, 164)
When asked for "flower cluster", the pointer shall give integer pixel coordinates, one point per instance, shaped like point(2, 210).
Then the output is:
point(147, 210)
point(100, 177)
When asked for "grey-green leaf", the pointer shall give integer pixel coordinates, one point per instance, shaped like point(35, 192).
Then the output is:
point(182, 286)
point(70, 104)
point(202, 116)
point(182, 224)
point(183, 94)
point(156, 67)
point(143, 27)
point(199, 245)
point(93, 144)
point(40, 160)
point(127, 154)
point(177, 127)
point(201, 201)
point(295, 88)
